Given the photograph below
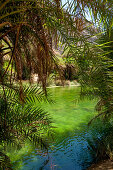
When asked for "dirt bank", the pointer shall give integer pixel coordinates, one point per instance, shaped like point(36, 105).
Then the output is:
point(103, 165)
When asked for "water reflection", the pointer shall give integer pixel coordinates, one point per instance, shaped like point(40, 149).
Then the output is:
point(71, 153)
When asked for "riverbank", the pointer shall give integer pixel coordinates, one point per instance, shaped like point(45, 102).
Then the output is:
point(57, 83)
point(77, 85)
point(103, 165)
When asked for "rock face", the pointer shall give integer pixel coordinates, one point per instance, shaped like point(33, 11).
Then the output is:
point(104, 165)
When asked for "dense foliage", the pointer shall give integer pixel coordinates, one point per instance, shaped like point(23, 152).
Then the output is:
point(29, 32)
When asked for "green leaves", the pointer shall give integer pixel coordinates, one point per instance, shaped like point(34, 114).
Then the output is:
point(23, 120)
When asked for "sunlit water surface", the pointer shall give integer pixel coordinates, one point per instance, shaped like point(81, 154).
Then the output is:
point(70, 150)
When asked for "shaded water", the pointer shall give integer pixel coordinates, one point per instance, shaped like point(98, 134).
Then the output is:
point(70, 150)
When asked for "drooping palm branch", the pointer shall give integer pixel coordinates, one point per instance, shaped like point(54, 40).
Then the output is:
point(23, 120)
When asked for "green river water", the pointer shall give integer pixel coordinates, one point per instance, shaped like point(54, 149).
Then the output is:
point(70, 150)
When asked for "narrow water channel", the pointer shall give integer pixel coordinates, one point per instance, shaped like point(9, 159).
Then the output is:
point(70, 149)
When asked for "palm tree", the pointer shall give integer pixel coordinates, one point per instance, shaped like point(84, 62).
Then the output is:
point(20, 117)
